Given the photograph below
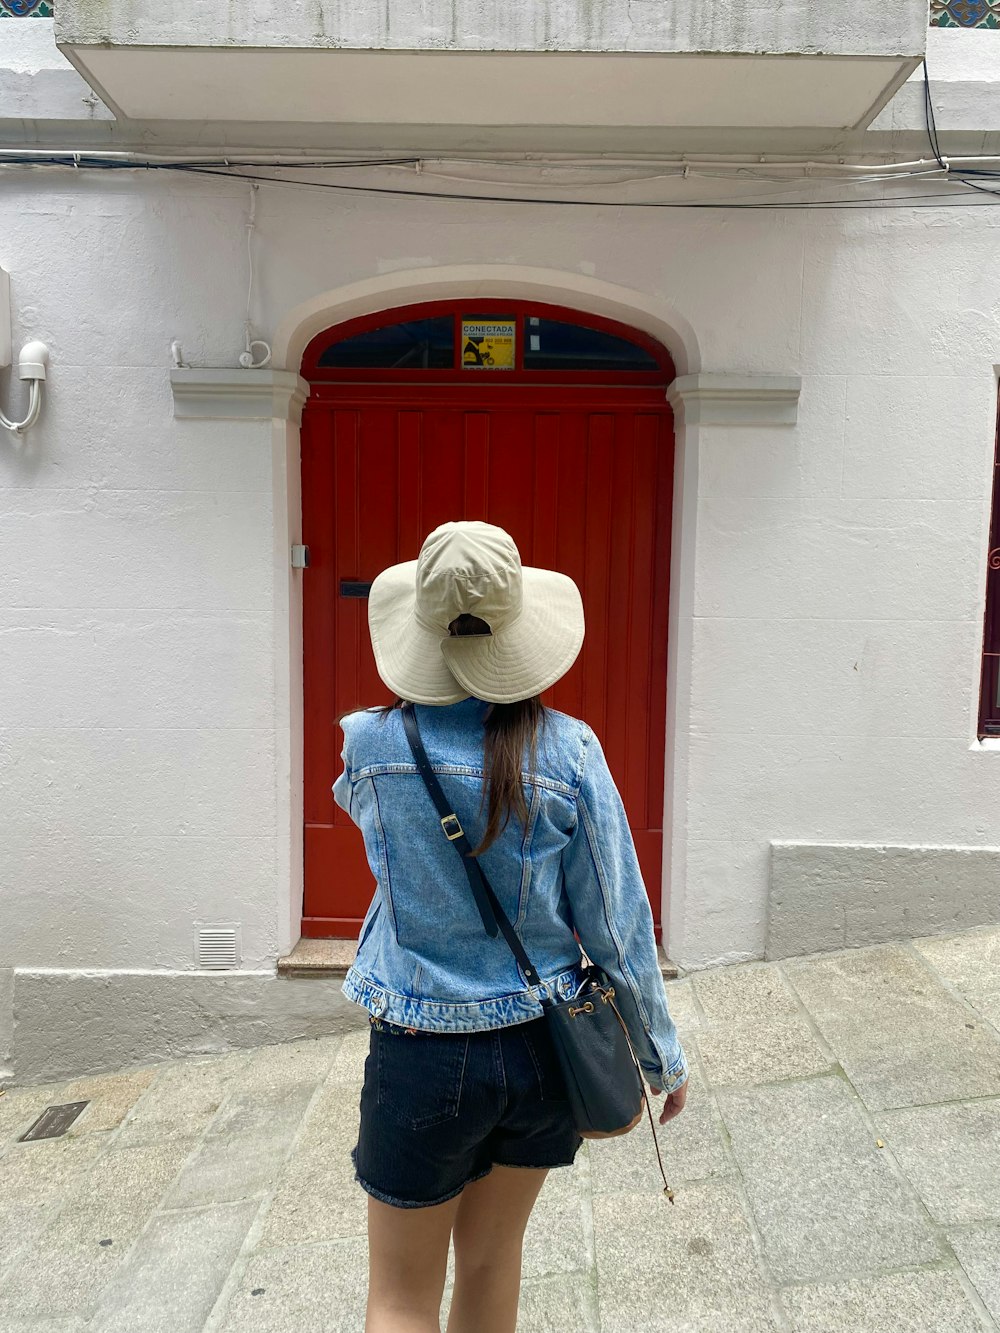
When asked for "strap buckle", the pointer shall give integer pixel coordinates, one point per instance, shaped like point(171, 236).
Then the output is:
point(453, 819)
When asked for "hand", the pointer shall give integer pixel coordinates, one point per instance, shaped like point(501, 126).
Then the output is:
point(674, 1103)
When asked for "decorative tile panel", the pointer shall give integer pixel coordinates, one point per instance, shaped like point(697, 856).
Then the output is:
point(962, 13)
point(25, 9)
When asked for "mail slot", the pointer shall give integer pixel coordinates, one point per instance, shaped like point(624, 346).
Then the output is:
point(349, 589)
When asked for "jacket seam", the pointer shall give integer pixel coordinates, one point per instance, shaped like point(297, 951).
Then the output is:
point(525, 888)
point(463, 770)
point(582, 760)
point(383, 856)
point(619, 946)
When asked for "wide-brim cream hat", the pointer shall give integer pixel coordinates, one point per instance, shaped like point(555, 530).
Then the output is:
point(535, 618)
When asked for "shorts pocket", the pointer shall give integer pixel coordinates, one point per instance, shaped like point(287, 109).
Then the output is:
point(551, 1084)
point(420, 1077)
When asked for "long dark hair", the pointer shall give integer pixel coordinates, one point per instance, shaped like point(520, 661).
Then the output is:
point(508, 729)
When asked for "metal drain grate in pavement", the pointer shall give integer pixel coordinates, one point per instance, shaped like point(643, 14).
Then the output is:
point(53, 1121)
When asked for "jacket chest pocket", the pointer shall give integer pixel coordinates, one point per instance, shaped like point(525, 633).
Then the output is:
point(420, 1078)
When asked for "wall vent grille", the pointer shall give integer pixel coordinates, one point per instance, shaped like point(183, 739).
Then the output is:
point(217, 946)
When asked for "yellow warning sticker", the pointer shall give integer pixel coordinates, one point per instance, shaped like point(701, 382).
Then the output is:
point(488, 344)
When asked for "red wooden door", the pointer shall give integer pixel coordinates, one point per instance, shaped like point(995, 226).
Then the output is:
point(581, 478)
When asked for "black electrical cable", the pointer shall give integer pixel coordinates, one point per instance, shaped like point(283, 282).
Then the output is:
point(929, 121)
point(961, 174)
point(576, 203)
point(92, 161)
point(904, 201)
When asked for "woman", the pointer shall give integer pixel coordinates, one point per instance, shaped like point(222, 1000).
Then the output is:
point(463, 1110)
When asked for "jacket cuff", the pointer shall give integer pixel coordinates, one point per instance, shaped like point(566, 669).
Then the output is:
point(675, 1076)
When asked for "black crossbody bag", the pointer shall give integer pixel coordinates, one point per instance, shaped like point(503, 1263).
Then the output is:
point(603, 1077)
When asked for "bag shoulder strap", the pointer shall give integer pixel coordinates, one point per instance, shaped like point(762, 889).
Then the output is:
point(490, 910)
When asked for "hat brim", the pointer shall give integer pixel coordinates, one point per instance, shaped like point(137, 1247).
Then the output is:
point(408, 657)
point(528, 656)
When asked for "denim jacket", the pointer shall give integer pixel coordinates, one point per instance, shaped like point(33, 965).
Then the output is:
point(424, 959)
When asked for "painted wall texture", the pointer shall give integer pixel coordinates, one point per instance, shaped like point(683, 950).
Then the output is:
point(839, 563)
point(150, 755)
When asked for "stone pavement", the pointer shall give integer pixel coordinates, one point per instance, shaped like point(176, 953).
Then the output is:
point(837, 1167)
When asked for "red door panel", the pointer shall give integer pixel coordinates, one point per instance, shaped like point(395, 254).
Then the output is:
point(580, 478)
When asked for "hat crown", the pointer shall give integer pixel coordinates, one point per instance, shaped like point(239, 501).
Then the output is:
point(468, 567)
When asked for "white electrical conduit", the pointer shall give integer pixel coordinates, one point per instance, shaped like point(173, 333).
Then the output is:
point(34, 408)
point(247, 358)
point(17, 156)
point(30, 366)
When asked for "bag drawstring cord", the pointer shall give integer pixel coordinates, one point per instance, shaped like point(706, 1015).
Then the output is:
point(642, 1083)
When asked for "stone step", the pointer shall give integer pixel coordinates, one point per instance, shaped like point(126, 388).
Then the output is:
point(332, 958)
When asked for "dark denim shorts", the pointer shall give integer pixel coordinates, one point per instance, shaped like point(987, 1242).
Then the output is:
point(439, 1109)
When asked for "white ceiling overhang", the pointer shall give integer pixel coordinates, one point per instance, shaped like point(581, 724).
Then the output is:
point(454, 93)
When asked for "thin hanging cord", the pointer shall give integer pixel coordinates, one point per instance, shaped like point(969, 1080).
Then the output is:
point(667, 1189)
point(254, 187)
point(247, 359)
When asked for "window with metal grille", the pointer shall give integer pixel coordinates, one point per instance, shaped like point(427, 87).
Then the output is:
point(989, 705)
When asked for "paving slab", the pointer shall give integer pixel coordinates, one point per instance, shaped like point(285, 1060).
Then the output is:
point(43, 1325)
point(917, 1302)
point(174, 1274)
point(277, 1107)
point(226, 1169)
point(334, 1112)
point(691, 1145)
point(558, 1305)
point(683, 1005)
point(952, 1156)
point(34, 1180)
point(87, 1241)
point(556, 1237)
point(978, 1251)
point(554, 1304)
point(284, 1063)
point(674, 1268)
point(184, 1097)
point(760, 1052)
point(349, 1063)
point(828, 1202)
point(970, 961)
point(745, 993)
point(19, 1107)
point(901, 1037)
point(110, 1096)
point(988, 1006)
point(321, 1288)
point(316, 1197)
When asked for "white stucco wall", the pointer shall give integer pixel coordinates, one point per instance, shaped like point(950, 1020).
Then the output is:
point(831, 629)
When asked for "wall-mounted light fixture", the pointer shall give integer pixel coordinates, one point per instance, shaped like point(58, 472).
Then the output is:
point(30, 364)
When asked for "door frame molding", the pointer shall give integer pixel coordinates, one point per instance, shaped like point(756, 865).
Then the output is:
point(572, 291)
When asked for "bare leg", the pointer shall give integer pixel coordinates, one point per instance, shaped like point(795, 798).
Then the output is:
point(489, 1232)
point(407, 1265)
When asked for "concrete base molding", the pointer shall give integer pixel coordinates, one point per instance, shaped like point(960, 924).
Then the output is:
point(842, 895)
point(81, 1022)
